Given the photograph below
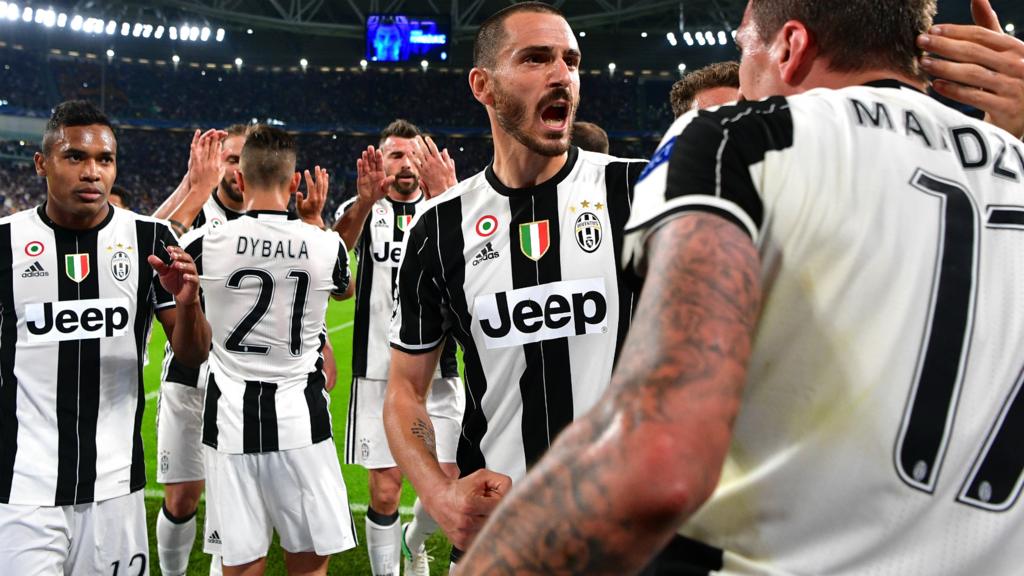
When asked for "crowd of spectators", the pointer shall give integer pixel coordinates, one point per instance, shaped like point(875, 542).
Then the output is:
point(311, 98)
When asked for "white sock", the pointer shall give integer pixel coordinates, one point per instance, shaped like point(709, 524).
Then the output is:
point(216, 568)
point(421, 527)
point(384, 543)
point(174, 539)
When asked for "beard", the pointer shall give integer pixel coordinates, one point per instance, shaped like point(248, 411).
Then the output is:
point(230, 190)
point(403, 187)
point(512, 115)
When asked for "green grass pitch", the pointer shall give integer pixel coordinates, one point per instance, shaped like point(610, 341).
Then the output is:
point(339, 325)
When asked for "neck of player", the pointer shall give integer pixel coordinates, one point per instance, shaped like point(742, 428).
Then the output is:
point(266, 199)
point(516, 166)
point(226, 200)
point(72, 221)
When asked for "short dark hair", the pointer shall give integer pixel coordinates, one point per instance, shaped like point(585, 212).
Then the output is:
point(854, 35)
point(237, 130)
point(268, 156)
point(590, 137)
point(72, 113)
point(122, 193)
point(400, 128)
point(491, 34)
point(717, 75)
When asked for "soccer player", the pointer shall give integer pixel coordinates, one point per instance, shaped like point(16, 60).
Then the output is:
point(851, 254)
point(270, 461)
point(712, 85)
point(78, 288)
point(520, 264)
point(389, 194)
point(119, 197)
point(589, 136)
point(180, 405)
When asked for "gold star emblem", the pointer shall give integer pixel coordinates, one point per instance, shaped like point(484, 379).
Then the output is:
point(599, 206)
point(572, 209)
point(585, 204)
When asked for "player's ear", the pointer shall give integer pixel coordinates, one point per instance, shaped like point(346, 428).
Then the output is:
point(40, 161)
point(296, 178)
point(796, 50)
point(480, 85)
point(240, 180)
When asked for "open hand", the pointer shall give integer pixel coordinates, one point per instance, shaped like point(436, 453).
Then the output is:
point(311, 204)
point(179, 277)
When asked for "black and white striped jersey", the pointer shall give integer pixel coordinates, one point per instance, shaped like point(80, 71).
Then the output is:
point(214, 213)
point(266, 279)
point(378, 252)
point(75, 309)
point(881, 425)
point(526, 280)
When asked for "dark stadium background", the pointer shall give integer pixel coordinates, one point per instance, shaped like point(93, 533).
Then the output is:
point(335, 103)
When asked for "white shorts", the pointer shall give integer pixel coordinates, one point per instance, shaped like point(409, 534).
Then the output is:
point(98, 538)
point(179, 433)
point(366, 443)
point(299, 492)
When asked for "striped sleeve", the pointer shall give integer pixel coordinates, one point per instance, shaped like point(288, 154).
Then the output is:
point(417, 325)
point(341, 276)
point(164, 238)
point(710, 161)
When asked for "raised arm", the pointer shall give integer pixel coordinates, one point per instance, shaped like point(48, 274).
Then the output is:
point(371, 185)
point(617, 483)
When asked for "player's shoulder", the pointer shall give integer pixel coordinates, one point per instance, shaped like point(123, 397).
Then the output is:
point(20, 217)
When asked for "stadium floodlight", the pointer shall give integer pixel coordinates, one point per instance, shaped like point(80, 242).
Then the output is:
point(12, 12)
point(363, 64)
point(734, 35)
point(126, 28)
point(26, 14)
point(147, 30)
point(1010, 28)
point(220, 34)
point(611, 66)
point(688, 38)
point(204, 35)
point(39, 16)
point(137, 30)
point(248, 31)
point(76, 23)
point(238, 62)
point(173, 33)
point(722, 38)
point(424, 64)
point(62, 20)
point(49, 18)
point(304, 63)
point(110, 53)
point(709, 37)
point(682, 67)
point(583, 33)
point(700, 39)
point(159, 33)
point(193, 34)
point(175, 58)
point(111, 28)
point(183, 32)
point(671, 37)
point(643, 34)
point(3, 7)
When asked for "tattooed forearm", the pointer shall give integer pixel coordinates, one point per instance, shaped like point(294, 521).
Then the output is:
point(615, 486)
point(425, 432)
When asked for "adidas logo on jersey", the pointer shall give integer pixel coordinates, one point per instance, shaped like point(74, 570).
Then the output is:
point(486, 253)
point(77, 319)
point(214, 538)
point(545, 312)
point(35, 271)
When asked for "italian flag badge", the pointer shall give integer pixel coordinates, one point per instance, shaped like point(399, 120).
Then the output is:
point(534, 239)
point(76, 266)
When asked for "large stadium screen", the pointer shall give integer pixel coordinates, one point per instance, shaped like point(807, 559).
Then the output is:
point(401, 38)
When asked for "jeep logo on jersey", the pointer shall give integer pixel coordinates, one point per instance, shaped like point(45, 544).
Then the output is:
point(120, 265)
point(77, 320)
point(402, 221)
point(588, 232)
point(545, 312)
point(534, 239)
point(76, 266)
point(388, 253)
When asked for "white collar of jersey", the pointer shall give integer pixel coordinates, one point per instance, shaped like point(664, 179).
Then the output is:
point(271, 215)
point(550, 185)
point(890, 83)
point(413, 201)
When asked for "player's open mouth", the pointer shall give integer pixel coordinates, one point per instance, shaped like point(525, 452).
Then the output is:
point(556, 115)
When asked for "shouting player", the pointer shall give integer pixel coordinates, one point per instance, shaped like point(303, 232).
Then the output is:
point(830, 310)
point(78, 289)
